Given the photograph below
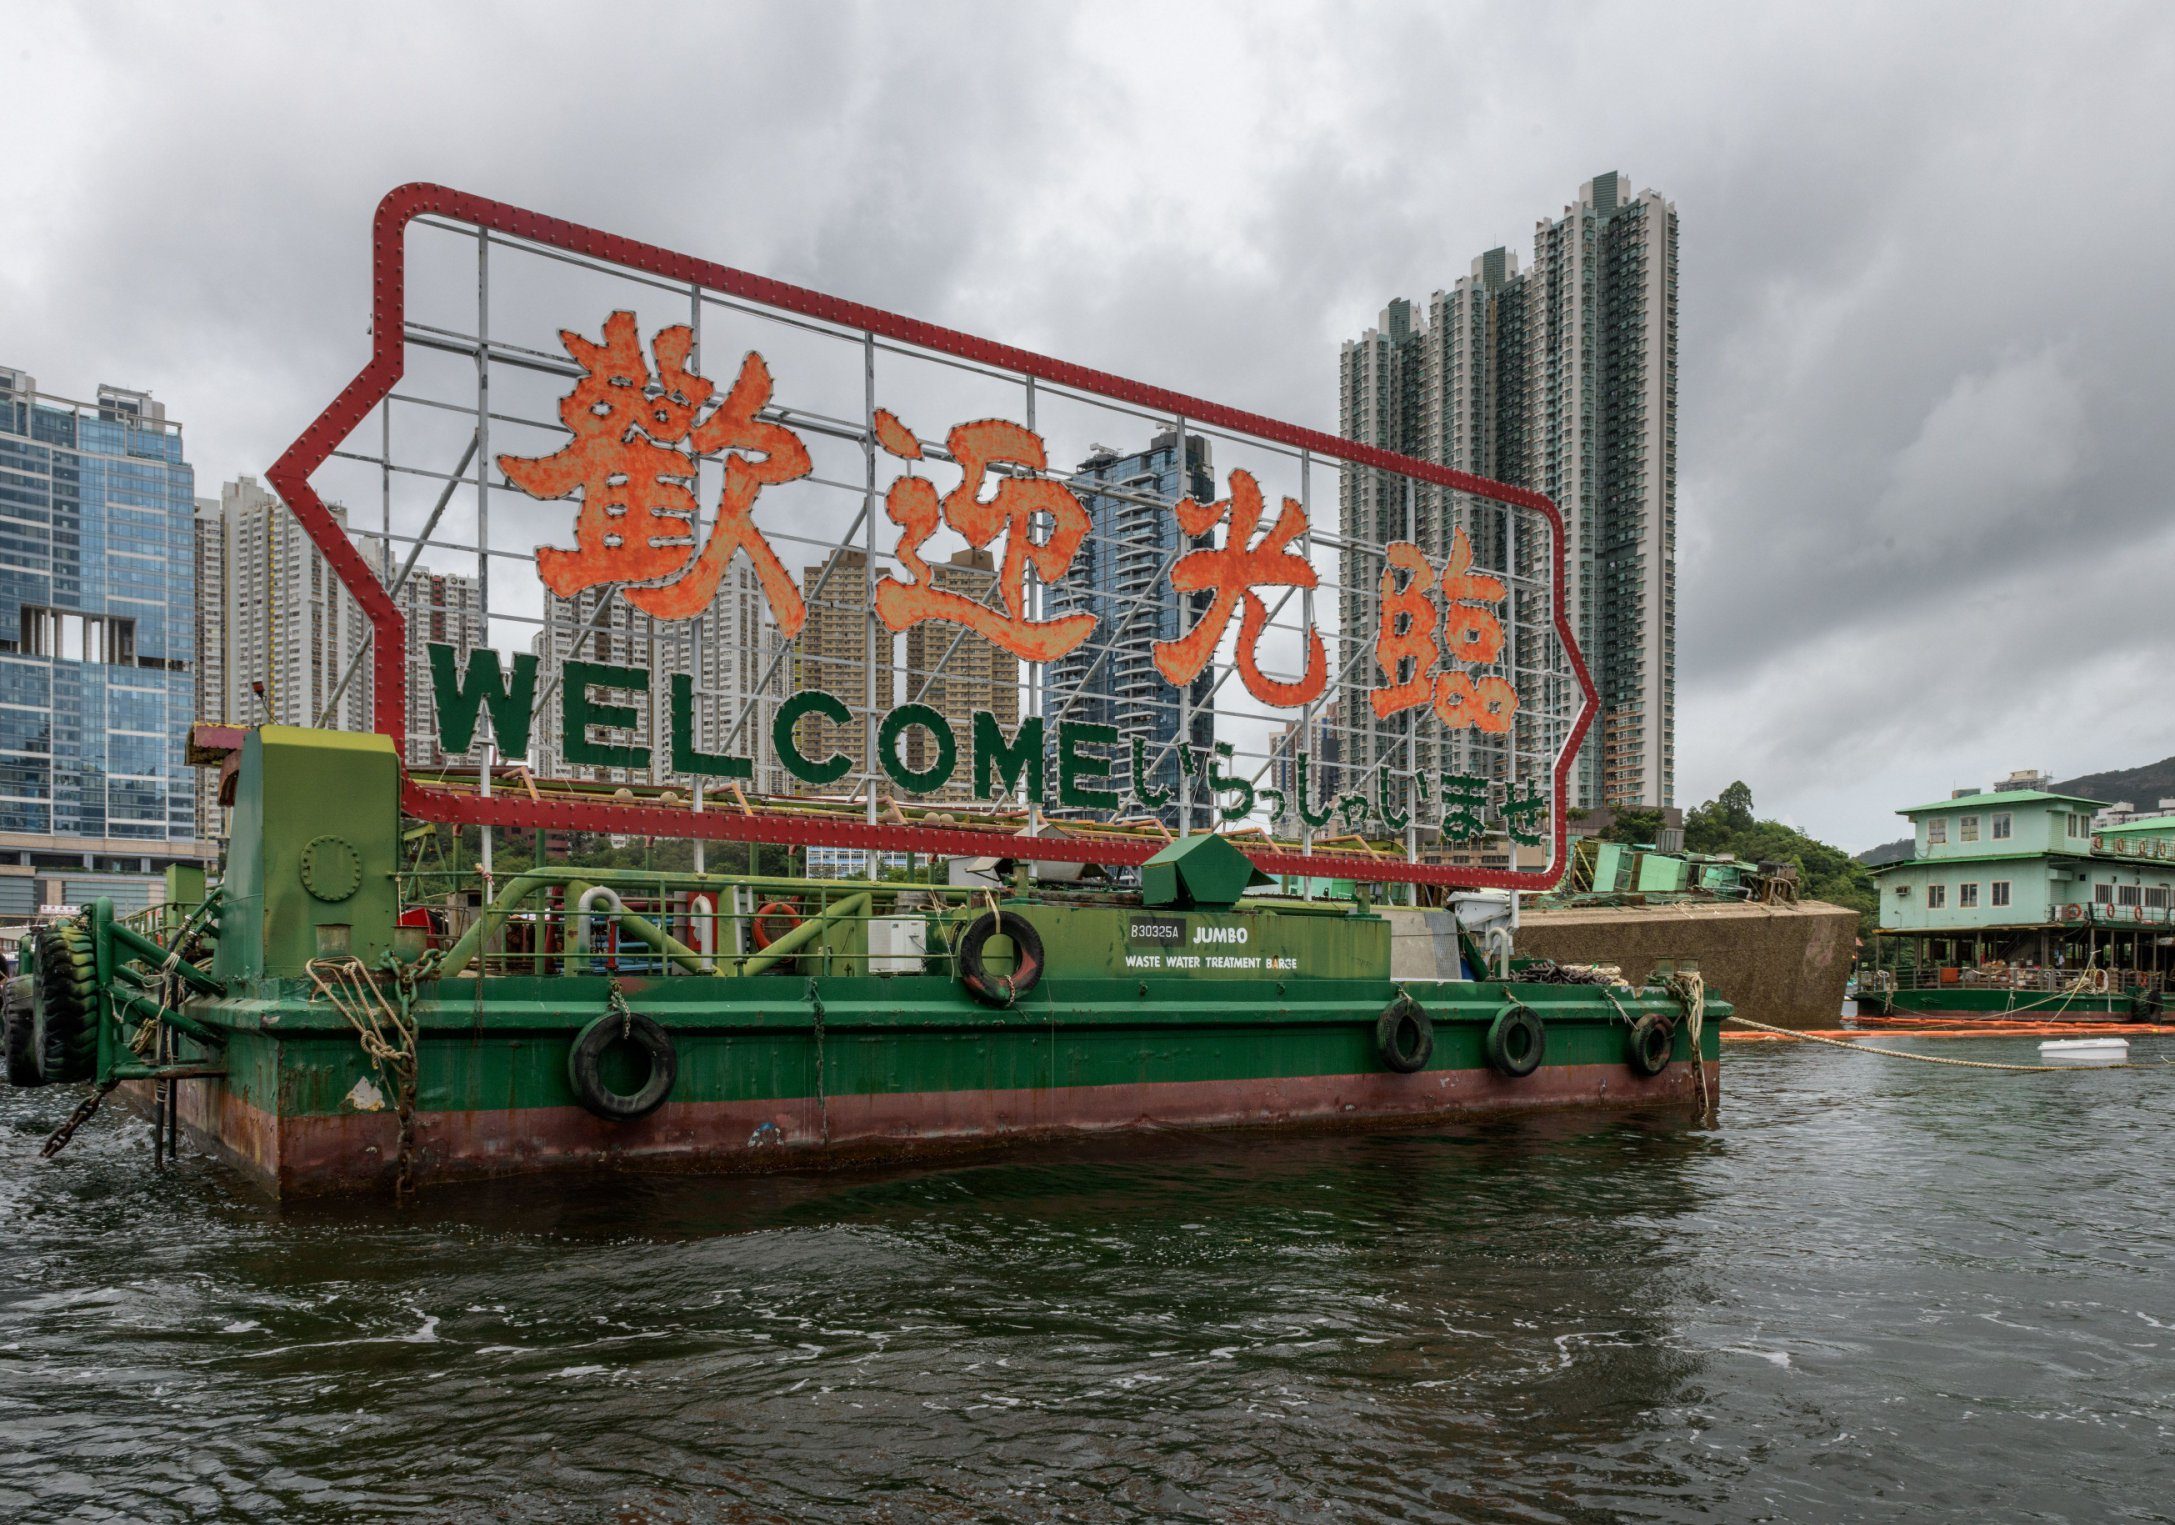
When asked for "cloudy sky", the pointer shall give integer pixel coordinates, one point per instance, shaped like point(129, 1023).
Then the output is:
point(1928, 270)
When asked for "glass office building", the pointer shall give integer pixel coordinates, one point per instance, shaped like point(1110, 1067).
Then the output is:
point(1122, 577)
point(97, 637)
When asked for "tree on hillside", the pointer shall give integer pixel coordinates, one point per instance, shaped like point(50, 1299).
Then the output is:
point(1727, 824)
point(1633, 828)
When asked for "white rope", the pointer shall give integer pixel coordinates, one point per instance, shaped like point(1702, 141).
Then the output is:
point(1896, 1053)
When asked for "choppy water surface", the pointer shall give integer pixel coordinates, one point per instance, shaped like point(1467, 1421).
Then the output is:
point(1877, 1291)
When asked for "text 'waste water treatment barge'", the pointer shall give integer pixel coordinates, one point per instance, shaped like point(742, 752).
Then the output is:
point(310, 1034)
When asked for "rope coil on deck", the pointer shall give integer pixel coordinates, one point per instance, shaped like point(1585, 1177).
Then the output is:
point(1690, 989)
point(387, 1034)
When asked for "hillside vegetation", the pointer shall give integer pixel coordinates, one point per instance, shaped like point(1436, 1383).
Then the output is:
point(1727, 824)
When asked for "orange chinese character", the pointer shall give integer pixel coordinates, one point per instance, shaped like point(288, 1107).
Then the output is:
point(636, 439)
point(913, 505)
point(1407, 631)
point(1473, 632)
point(1234, 570)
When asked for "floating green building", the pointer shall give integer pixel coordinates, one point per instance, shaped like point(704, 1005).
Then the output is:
point(2011, 901)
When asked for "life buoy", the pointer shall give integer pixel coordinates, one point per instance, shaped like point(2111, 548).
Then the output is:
point(1404, 1036)
point(584, 1058)
point(1649, 1044)
point(1516, 1041)
point(1000, 989)
point(2099, 982)
point(773, 921)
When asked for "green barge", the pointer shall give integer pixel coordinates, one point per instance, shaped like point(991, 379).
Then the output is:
point(318, 1022)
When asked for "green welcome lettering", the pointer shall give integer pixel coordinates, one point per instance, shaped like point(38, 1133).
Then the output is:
point(461, 697)
point(998, 761)
point(579, 712)
point(810, 701)
point(686, 758)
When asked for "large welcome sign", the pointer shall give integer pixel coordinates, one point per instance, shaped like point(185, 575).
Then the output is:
point(807, 572)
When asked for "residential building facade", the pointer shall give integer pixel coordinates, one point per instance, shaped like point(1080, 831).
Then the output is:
point(1560, 378)
point(281, 640)
point(730, 651)
point(956, 672)
point(844, 650)
point(97, 647)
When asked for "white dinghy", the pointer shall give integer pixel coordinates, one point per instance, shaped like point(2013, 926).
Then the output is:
point(2085, 1051)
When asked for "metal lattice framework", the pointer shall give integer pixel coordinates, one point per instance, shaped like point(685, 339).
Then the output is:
point(1491, 712)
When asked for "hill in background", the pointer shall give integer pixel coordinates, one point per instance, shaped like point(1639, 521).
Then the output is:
point(2144, 787)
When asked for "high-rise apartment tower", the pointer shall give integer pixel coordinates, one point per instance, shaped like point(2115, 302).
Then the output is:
point(1561, 378)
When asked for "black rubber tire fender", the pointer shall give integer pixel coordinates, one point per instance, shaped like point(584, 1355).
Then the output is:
point(1649, 1044)
point(584, 1058)
point(1000, 990)
point(64, 1027)
point(1517, 1041)
point(17, 1040)
point(1404, 1036)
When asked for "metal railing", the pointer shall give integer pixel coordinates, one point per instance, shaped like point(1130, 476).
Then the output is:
point(2028, 978)
point(644, 923)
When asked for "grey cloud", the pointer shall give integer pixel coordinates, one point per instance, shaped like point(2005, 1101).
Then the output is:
point(1926, 296)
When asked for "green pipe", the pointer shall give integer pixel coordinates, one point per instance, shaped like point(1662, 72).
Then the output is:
point(145, 1007)
point(658, 940)
point(517, 890)
point(522, 886)
point(136, 945)
point(793, 941)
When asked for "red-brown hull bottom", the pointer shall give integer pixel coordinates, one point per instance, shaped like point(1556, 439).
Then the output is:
point(315, 1154)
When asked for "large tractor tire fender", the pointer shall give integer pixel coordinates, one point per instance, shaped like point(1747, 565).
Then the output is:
point(16, 1038)
point(64, 1026)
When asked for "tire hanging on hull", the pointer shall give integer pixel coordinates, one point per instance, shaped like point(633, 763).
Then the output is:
point(584, 1070)
point(1404, 1036)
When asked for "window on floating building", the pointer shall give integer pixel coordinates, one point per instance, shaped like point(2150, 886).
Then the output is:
point(1967, 828)
point(2001, 892)
point(1937, 831)
point(2129, 894)
point(2001, 824)
point(1967, 896)
point(2156, 897)
point(1936, 896)
point(2103, 894)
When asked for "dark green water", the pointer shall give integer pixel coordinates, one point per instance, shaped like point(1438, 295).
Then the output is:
point(1878, 1291)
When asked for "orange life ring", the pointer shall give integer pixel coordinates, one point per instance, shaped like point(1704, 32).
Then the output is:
point(761, 930)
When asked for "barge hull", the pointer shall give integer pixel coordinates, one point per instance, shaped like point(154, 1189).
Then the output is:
point(1965, 1004)
point(306, 1155)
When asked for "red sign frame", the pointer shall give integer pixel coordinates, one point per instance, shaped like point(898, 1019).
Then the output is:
point(290, 477)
